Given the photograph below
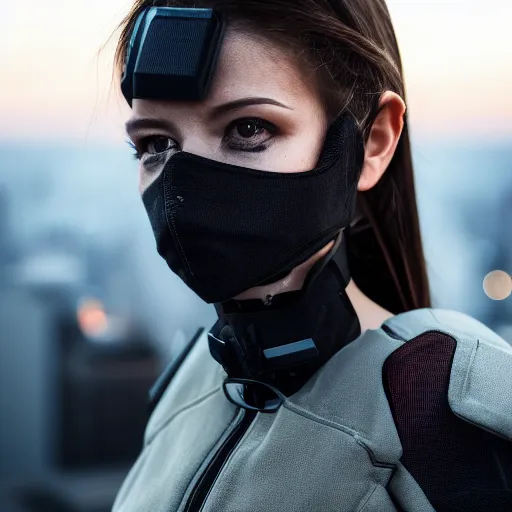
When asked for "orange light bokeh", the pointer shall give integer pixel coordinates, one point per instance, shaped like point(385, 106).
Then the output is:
point(91, 317)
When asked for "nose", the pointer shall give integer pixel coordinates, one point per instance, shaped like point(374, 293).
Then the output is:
point(201, 145)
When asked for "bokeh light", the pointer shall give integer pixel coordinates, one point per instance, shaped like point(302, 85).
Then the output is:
point(498, 285)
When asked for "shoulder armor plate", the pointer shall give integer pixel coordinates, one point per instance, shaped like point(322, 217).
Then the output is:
point(480, 389)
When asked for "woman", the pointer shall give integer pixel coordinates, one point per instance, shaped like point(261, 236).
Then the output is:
point(276, 171)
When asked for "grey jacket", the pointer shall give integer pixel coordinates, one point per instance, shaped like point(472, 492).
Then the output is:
point(332, 447)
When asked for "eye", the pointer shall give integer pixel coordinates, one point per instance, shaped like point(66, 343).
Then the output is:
point(153, 146)
point(249, 134)
point(156, 145)
point(248, 129)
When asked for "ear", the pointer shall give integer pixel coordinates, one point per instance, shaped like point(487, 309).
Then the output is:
point(383, 139)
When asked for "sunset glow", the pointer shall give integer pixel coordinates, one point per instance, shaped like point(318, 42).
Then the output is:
point(457, 58)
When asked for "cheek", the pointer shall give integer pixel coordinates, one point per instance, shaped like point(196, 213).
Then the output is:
point(146, 178)
point(149, 173)
point(300, 149)
point(143, 181)
point(300, 152)
point(141, 185)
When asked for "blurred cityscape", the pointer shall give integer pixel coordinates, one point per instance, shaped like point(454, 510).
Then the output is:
point(89, 317)
point(90, 314)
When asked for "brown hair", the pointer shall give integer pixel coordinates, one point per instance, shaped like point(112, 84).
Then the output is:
point(351, 46)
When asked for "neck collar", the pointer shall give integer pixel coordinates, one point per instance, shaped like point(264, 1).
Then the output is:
point(283, 341)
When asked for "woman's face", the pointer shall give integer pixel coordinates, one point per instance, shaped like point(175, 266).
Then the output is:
point(261, 113)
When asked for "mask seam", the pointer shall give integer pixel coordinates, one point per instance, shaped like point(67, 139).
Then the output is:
point(169, 212)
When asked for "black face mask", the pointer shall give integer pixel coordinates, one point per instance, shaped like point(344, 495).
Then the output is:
point(224, 229)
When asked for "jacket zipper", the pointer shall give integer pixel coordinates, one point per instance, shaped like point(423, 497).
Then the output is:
point(205, 483)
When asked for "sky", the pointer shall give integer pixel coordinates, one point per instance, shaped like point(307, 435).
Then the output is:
point(56, 84)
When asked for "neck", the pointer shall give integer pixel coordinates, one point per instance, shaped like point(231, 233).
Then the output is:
point(369, 313)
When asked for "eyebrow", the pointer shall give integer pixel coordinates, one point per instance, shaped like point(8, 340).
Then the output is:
point(245, 102)
point(141, 123)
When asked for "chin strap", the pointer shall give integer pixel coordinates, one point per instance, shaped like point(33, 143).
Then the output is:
point(284, 340)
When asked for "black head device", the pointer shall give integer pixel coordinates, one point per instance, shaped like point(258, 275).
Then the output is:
point(172, 54)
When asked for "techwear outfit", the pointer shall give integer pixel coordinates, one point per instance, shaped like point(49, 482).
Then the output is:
point(414, 416)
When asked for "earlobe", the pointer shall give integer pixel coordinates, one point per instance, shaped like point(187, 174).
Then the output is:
point(383, 140)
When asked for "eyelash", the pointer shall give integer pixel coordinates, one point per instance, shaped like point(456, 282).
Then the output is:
point(140, 147)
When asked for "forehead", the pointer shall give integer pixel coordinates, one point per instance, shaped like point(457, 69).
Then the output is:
point(249, 65)
point(250, 62)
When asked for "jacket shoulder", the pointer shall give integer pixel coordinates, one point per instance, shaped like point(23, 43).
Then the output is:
point(414, 323)
point(480, 385)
